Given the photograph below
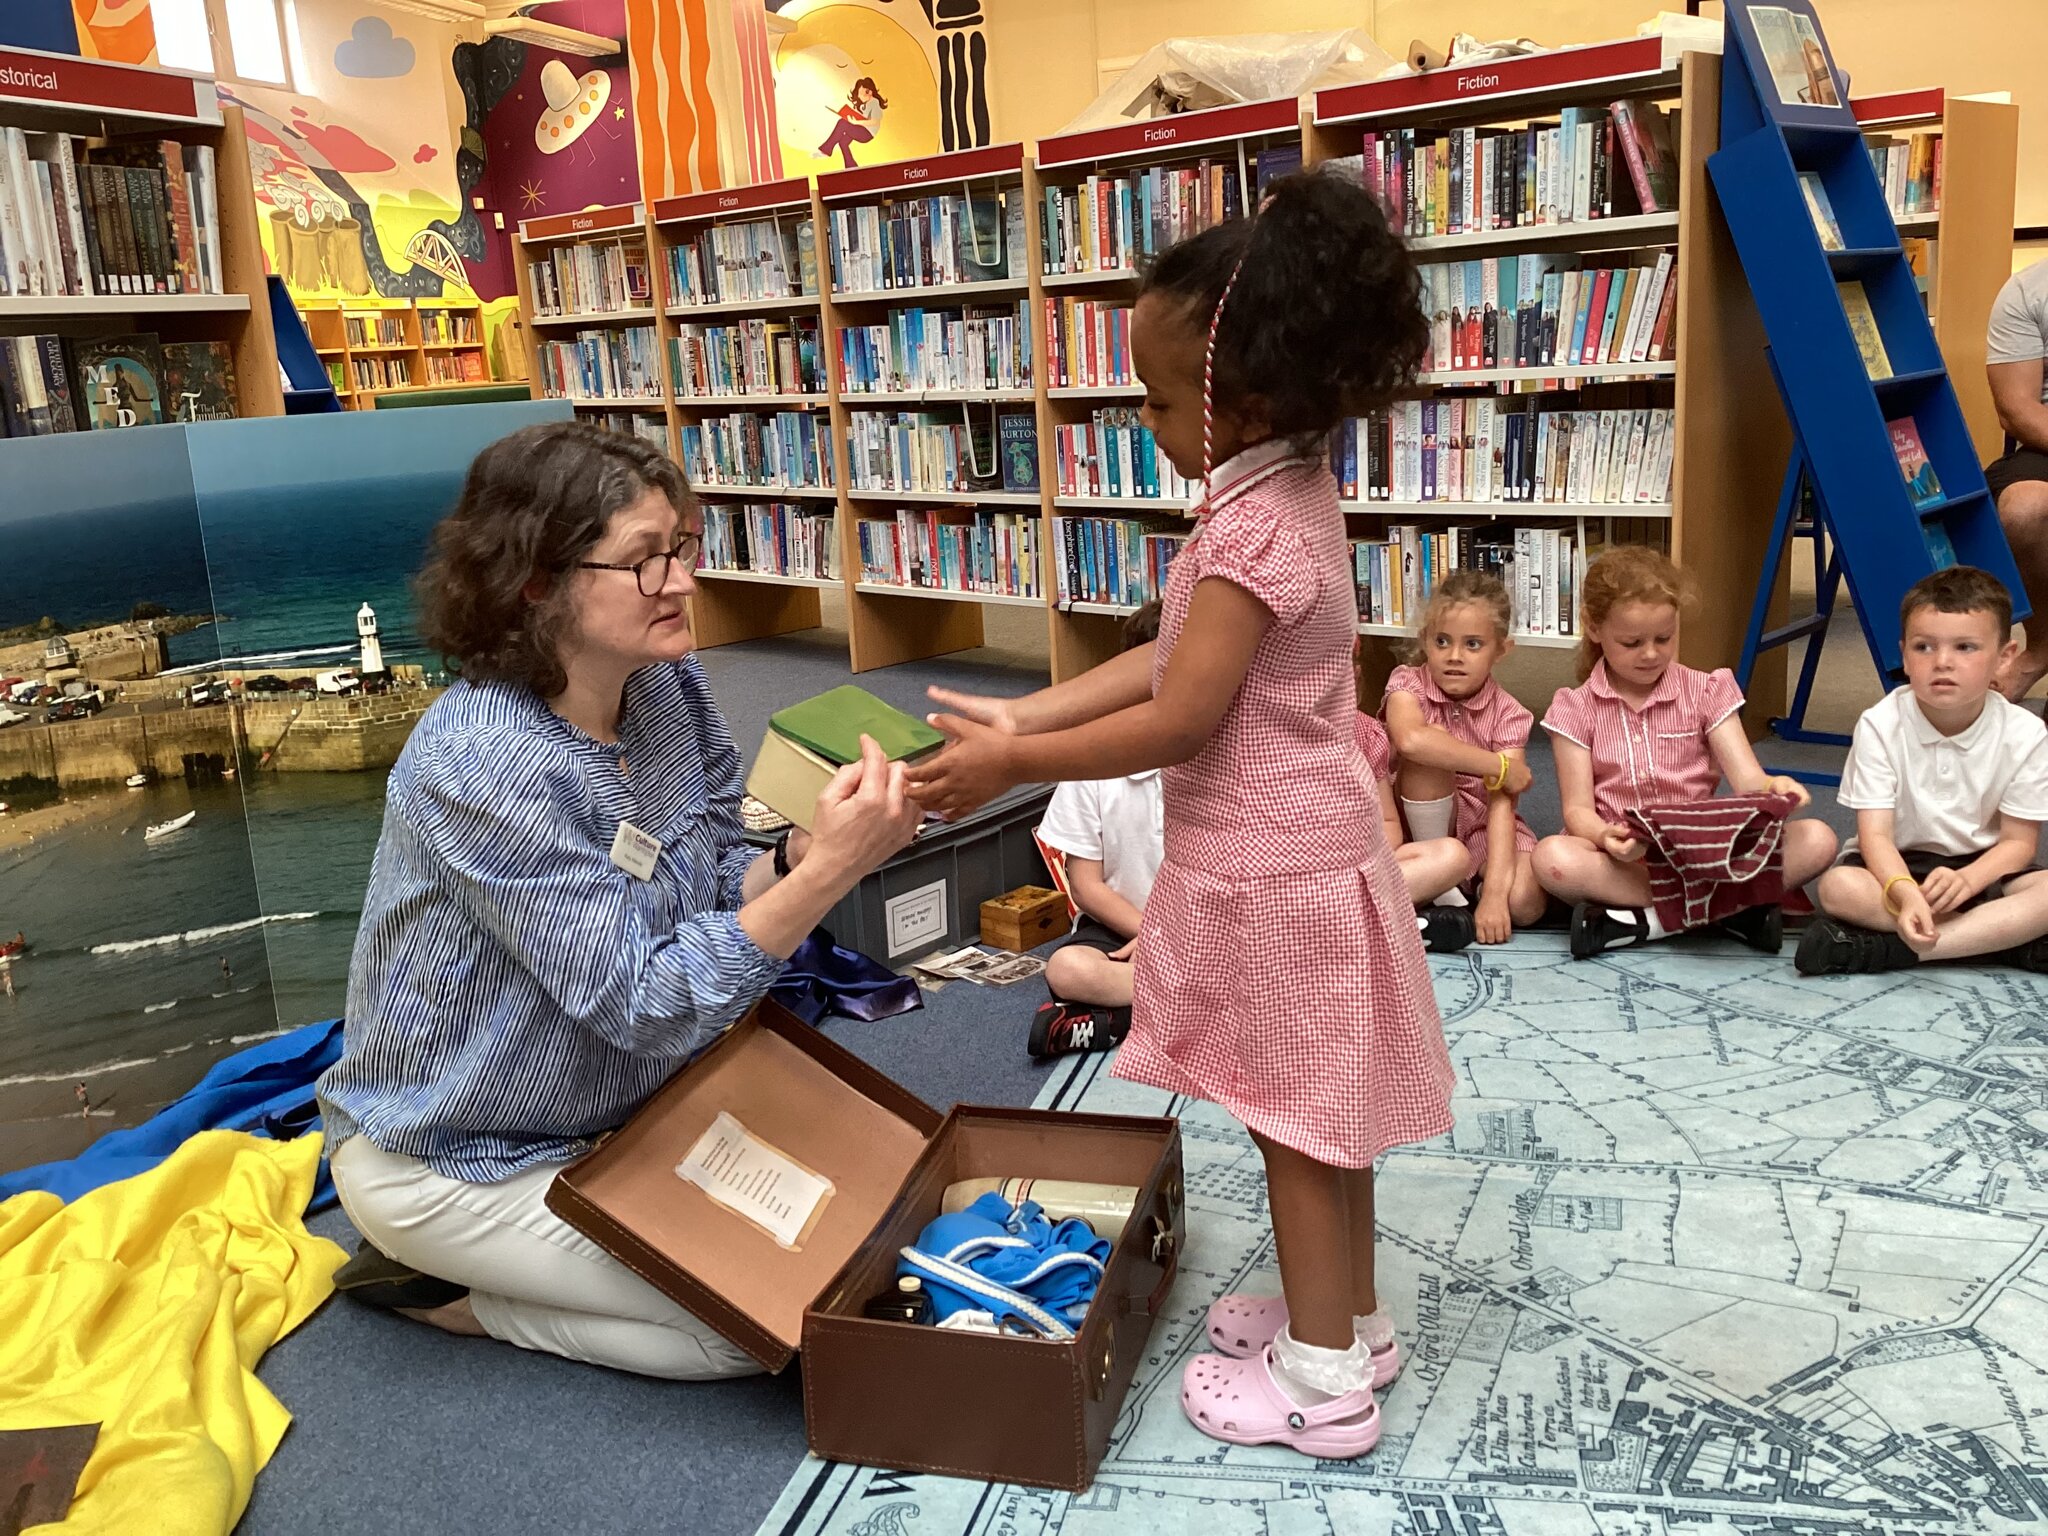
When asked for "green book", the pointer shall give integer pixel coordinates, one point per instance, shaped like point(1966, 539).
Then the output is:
point(833, 723)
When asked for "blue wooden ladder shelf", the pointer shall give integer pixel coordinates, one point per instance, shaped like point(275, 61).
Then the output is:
point(1785, 115)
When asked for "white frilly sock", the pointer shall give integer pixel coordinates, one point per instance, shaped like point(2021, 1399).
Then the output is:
point(1647, 915)
point(1430, 818)
point(1310, 1374)
point(1375, 1331)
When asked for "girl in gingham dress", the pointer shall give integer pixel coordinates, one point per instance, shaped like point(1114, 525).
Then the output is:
point(1462, 740)
point(1278, 970)
point(1641, 729)
point(1431, 866)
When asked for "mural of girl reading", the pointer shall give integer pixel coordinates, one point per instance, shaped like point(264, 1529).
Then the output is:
point(858, 120)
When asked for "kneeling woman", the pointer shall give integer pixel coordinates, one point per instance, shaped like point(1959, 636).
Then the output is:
point(562, 910)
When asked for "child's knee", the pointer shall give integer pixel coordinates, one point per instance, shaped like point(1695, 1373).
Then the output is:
point(1067, 969)
point(1839, 888)
point(1556, 860)
point(1811, 844)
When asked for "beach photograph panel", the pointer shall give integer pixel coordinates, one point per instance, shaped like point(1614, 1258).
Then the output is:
point(131, 951)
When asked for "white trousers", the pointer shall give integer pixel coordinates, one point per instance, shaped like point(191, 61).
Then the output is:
point(533, 1279)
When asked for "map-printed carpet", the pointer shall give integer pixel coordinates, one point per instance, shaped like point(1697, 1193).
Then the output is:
point(1713, 1248)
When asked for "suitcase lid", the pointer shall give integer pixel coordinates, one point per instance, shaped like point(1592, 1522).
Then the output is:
point(803, 1095)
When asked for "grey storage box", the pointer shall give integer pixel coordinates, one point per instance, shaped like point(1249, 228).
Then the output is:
point(929, 896)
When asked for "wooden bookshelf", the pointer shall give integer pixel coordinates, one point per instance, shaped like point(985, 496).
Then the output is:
point(92, 101)
point(1730, 437)
point(888, 624)
point(1970, 230)
point(1086, 633)
point(744, 605)
point(328, 327)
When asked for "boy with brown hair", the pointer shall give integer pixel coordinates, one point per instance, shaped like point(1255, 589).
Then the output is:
point(1949, 783)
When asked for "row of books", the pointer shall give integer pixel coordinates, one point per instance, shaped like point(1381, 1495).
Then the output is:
point(919, 241)
point(1540, 567)
point(1479, 451)
point(131, 216)
point(779, 450)
point(1113, 221)
point(734, 263)
point(648, 426)
point(922, 451)
point(456, 368)
point(776, 538)
point(1088, 343)
point(381, 330)
point(1909, 170)
point(602, 363)
point(1590, 164)
point(591, 279)
point(954, 549)
point(987, 348)
point(1119, 560)
point(51, 384)
point(1113, 454)
point(748, 357)
point(450, 328)
point(1545, 310)
point(380, 372)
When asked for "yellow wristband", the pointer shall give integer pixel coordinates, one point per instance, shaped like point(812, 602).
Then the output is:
point(1500, 782)
point(1887, 893)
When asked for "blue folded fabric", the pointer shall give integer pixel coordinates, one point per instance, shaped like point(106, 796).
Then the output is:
point(266, 1089)
point(1011, 1262)
point(824, 976)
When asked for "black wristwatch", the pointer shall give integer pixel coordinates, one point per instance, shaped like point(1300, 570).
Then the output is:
point(782, 855)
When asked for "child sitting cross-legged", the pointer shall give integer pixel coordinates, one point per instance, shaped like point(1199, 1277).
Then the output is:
point(1431, 867)
point(1108, 835)
point(1949, 783)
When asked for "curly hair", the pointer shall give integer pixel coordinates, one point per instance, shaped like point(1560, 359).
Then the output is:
point(533, 504)
point(1325, 319)
point(1628, 573)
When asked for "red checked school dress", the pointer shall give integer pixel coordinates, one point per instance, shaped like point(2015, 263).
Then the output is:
point(1657, 755)
point(1280, 974)
point(1492, 720)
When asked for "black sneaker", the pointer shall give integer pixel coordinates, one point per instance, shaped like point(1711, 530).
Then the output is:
point(378, 1280)
point(2029, 957)
point(1596, 929)
point(1761, 928)
point(1059, 1029)
point(1831, 948)
point(1446, 930)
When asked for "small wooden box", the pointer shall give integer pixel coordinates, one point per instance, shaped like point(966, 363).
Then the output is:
point(1024, 918)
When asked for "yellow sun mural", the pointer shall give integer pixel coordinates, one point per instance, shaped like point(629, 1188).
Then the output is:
point(836, 45)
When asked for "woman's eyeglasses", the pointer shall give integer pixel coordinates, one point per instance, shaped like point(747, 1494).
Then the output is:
point(652, 573)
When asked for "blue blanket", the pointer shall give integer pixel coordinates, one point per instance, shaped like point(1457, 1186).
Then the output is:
point(267, 1089)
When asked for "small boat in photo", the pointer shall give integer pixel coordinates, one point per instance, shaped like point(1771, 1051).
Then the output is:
point(166, 828)
point(136, 780)
point(14, 948)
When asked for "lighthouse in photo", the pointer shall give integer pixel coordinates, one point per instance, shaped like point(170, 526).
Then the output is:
point(373, 648)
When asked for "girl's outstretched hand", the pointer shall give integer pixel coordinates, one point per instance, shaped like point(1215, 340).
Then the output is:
point(971, 770)
point(982, 709)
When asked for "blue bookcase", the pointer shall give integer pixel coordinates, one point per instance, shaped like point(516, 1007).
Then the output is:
point(1791, 146)
point(310, 391)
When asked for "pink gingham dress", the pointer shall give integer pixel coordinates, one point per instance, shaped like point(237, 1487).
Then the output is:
point(1280, 974)
point(1656, 755)
point(1492, 720)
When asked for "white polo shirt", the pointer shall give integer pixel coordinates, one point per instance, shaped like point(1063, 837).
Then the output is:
point(1122, 822)
point(1946, 793)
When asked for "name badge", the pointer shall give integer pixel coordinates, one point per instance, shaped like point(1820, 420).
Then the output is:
point(635, 852)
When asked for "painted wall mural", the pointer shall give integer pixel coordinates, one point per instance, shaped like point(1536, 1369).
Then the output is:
point(674, 47)
point(864, 81)
point(561, 136)
point(119, 31)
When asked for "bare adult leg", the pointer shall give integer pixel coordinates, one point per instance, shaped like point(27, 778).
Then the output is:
point(2023, 509)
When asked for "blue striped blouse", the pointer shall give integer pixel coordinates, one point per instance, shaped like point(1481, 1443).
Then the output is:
point(513, 992)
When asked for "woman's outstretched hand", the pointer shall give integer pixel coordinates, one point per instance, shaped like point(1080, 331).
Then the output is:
point(864, 816)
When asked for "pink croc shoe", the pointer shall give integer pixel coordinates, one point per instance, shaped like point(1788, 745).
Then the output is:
point(1240, 1326)
point(1239, 1402)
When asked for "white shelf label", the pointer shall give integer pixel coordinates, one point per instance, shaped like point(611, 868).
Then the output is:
point(916, 917)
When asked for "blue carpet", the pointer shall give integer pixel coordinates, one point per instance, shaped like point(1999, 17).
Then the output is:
point(399, 1428)
point(1713, 1247)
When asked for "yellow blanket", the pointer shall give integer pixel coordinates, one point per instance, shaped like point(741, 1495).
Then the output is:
point(144, 1306)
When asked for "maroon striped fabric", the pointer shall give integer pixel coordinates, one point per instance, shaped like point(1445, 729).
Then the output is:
point(1710, 859)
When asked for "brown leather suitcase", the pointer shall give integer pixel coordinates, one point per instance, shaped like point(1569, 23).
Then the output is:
point(900, 1395)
